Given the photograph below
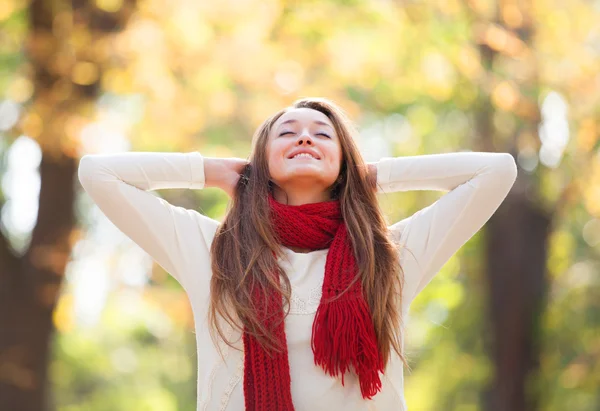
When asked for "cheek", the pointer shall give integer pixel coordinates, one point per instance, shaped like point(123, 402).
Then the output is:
point(275, 154)
point(335, 156)
point(275, 148)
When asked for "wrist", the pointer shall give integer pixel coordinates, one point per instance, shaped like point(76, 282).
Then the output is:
point(213, 171)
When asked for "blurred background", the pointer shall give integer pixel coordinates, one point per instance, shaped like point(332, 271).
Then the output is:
point(89, 322)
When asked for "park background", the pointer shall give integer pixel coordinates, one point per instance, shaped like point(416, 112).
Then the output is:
point(89, 322)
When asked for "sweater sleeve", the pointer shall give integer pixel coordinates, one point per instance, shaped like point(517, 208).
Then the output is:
point(120, 184)
point(476, 184)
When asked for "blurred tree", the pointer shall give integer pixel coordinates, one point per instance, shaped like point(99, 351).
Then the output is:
point(66, 49)
point(507, 118)
point(517, 234)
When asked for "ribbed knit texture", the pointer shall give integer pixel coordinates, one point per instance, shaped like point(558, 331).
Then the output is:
point(343, 335)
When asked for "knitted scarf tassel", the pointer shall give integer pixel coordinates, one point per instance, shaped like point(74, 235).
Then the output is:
point(343, 334)
point(264, 371)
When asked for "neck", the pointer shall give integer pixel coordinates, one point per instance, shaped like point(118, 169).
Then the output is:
point(301, 195)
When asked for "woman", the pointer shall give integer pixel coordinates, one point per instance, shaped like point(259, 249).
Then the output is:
point(299, 295)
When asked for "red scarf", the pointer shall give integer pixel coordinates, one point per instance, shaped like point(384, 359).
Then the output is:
point(343, 334)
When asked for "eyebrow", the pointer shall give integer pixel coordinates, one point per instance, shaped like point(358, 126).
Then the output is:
point(315, 122)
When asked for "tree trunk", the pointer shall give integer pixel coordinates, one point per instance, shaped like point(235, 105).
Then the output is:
point(516, 252)
point(29, 288)
point(30, 284)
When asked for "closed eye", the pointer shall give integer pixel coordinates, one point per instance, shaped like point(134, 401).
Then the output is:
point(291, 132)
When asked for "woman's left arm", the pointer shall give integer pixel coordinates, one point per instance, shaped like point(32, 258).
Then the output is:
point(476, 184)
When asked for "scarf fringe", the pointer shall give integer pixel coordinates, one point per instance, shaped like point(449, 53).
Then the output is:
point(343, 336)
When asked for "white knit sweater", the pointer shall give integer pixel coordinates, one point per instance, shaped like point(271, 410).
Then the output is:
point(179, 240)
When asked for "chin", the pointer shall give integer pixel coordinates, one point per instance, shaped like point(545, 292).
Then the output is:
point(311, 175)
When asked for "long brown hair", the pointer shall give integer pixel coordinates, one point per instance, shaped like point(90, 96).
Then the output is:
point(242, 250)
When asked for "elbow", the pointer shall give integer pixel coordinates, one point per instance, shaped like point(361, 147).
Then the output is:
point(510, 166)
point(85, 170)
point(506, 166)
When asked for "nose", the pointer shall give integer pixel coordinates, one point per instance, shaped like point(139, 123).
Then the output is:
point(304, 138)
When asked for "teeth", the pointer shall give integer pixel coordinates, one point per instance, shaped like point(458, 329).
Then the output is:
point(303, 155)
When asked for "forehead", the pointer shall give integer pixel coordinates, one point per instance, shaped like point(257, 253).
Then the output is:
point(303, 115)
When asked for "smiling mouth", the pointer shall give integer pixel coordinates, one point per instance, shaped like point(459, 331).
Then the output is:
point(303, 156)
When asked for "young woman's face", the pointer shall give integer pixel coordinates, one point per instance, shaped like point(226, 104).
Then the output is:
point(304, 129)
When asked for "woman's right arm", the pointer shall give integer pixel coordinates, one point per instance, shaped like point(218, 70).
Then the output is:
point(173, 236)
